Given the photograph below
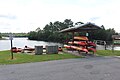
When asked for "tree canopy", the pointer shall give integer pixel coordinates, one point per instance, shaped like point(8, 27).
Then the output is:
point(51, 32)
point(0, 36)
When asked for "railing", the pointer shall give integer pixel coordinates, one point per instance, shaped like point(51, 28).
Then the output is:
point(100, 42)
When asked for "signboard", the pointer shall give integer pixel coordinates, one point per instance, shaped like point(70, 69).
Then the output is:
point(87, 34)
point(11, 37)
point(116, 40)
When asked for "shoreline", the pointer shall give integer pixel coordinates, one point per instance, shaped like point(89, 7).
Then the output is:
point(3, 39)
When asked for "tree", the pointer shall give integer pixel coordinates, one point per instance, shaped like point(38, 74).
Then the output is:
point(38, 29)
point(109, 33)
point(68, 23)
point(79, 23)
point(32, 35)
point(103, 27)
point(51, 32)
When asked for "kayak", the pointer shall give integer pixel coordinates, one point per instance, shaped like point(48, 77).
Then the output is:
point(80, 48)
point(91, 44)
point(81, 38)
point(92, 49)
point(78, 42)
point(29, 49)
point(60, 49)
point(81, 43)
point(68, 47)
point(15, 50)
point(76, 48)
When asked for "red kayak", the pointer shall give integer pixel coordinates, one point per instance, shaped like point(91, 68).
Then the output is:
point(60, 49)
point(15, 50)
point(91, 44)
point(92, 49)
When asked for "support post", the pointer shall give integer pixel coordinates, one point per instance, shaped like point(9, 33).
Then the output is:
point(113, 46)
point(11, 38)
point(67, 38)
point(72, 38)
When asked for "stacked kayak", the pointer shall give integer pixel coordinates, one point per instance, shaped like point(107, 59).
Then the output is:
point(81, 38)
point(81, 43)
point(76, 48)
point(78, 42)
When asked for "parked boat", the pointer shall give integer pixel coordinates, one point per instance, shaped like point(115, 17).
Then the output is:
point(15, 50)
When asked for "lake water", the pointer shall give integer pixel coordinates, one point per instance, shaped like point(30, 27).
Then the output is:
point(21, 42)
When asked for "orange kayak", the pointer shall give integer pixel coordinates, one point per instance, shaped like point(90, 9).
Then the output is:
point(79, 48)
point(66, 46)
point(81, 38)
point(78, 42)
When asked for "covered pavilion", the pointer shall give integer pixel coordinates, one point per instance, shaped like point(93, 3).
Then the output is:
point(81, 28)
point(87, 27)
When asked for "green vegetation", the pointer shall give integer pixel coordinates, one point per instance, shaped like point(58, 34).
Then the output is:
point(5, 57)
point(103, 34)
point(108, 53)
point(15, 34)
point(0, 36)
point(51, 32)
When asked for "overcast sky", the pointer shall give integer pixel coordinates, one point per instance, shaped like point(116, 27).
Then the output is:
point(27, 15)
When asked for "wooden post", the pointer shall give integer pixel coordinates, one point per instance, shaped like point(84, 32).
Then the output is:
point(105, 47)
point(113, 46)
point(72, 39)
point(105, 44)
point(67, 38)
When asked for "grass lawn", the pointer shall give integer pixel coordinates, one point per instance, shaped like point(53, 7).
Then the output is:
point(5, 57)
point(108, 53)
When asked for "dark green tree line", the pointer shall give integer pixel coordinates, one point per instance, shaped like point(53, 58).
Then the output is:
point(15, 34)
point(0, 36)
point(51, 32)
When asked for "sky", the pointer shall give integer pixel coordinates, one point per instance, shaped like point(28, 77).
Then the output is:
point(27, 15)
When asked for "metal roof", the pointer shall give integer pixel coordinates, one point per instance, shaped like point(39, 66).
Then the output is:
point(83, 27)
point(116, 36)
